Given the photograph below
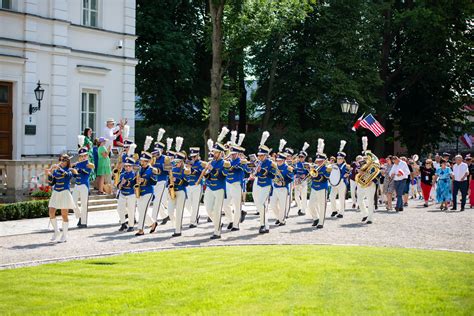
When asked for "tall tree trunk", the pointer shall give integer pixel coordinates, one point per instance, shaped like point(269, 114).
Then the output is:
point(242, 97)
point(271, 81)
point(217, 10)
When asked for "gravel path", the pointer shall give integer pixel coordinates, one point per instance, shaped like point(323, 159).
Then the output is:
point(26, 242)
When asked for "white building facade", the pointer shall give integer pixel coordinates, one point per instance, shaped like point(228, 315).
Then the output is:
point(83, 54)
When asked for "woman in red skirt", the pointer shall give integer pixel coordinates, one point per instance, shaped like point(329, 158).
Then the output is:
point(426, 173)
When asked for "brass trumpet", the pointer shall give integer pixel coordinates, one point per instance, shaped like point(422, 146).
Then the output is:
point(136, 187)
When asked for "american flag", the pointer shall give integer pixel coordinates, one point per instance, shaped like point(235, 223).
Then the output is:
point(370, 123)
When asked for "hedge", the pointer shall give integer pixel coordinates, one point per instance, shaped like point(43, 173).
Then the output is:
point(29, 209)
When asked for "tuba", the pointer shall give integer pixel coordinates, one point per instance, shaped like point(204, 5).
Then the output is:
point(369, 171)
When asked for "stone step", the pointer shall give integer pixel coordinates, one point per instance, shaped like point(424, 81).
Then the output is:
point(94, 197)
point(102, 207)
point(100, 202)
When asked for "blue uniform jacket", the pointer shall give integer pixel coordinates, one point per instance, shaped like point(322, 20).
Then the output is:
point(180, 182)
point(127, 188)
point(265, 175)
point(83, 175)
point(162, 174)
point(236, 172)
point(321, 181)
point(196, 170)
point(216, 180)
point(300, 171)
point(146, 187)
point(288, 176)
point(60, 180)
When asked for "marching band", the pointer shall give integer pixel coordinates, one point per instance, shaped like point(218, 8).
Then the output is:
point(172, 181)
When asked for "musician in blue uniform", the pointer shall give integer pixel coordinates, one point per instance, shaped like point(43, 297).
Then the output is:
point(262, 184)
point(162, 165)
point(319, 185)
point(59, 177)
point(127, 199)
point(81, 190)
point(216, 187)
point(339, 185)
point(234, 187)
point(146, 180)
point(177, 191)
point(283, 177)
point(301, 183)
point(194, 189)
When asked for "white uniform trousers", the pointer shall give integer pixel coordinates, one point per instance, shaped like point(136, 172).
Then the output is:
point(176, 209)
point(338, 190)
point(161, 199)
point(301, 195)
point(233, 199)
point(317, 205)
point(354, 192)
point(260, 198)
point(367, 207)
point(143, 203)
point(193, 201)
point(126, 205)
point(81, 192)
point(279, 202)
point(213, 200)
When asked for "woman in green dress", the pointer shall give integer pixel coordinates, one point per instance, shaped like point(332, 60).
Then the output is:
point(103, 171)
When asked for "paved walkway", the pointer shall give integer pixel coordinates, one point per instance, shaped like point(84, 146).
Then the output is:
point(26, 242)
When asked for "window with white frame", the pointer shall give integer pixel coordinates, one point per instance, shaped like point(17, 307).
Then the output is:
point(90, 13)
point(6, 4)
point(89, 111)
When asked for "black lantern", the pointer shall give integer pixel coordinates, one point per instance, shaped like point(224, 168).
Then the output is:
point(39, 92)
point(345, 106)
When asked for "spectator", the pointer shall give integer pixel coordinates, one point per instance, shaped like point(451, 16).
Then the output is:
point(399, 173)
point(470, 165)
point(110, 132)
point(103, 171)
point(89, 144)
point(95, 154)
point(461, 183)
point(427, 173)
point(443, 186)
point(389, 185)
point(406, 189)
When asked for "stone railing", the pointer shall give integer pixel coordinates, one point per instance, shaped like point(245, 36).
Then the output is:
point(19, 176)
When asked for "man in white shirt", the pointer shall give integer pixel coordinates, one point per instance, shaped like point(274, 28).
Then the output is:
point(110, 131)
point(399, 173)
point(460, 176)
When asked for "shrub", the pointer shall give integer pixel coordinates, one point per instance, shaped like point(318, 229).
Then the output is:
point(30, 209)
point(42, 191)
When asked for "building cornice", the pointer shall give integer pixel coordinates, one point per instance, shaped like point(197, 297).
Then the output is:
point(68, 22)
point(92, 69)
point(14, 59)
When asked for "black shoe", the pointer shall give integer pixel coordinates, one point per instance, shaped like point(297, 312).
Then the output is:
point(425, 205)
point(258, 213)
point(340, 216)
point(165, 220)
point(209, 220)
point(263, 230)
point(333, 214)
point(405, 204)
point(281, 224)
point(319, 227)
point(315, 223)
point(139, 234)
point(123, 227)
point(300, 213)
point(230, 226)
point(376, 207)
point(369, 222)
point(192, 226)
point(79, 223)
point(277, 222)
point(234, 229)
point(462, 209)
point(353, 206)
point(176, 235)
point(82, 226)
point(130, 229)
point(153, 228)
point(215, 237)
point(364, 219)
point(197, 220)
point(242, 216)
point(453, 208)
point(400, 209)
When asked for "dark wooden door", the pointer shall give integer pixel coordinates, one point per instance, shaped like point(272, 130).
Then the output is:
point(6, 118)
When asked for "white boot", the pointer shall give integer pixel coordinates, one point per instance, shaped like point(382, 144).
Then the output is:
point(54, 223)
point(64, 235)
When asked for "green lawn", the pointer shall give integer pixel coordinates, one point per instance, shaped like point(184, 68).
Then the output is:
point(248, 280)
